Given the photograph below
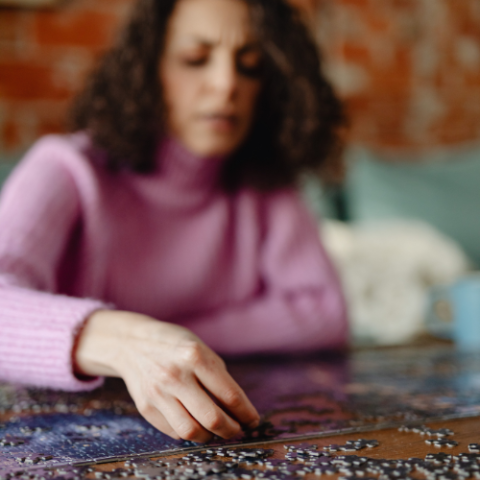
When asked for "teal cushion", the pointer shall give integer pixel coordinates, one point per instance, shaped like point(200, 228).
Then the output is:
point(7, 164)
point(317, 197)
point(442, 188)
point(5, 169)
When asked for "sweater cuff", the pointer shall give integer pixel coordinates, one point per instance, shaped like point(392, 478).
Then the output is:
point(38, 336)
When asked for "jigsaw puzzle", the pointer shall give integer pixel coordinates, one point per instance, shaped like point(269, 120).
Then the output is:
point(295, 396)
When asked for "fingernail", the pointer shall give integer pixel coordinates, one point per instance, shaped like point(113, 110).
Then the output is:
point(254, 424)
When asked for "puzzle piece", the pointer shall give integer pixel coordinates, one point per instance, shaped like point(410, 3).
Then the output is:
point(440, 458)
point(441, 442)
point(440, 433)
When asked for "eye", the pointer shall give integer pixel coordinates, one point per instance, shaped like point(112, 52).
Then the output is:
point(193, 57)
point(249, 63)
point(195, 61)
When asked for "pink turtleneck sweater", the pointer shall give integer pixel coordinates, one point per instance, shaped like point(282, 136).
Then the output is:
point(245, 272)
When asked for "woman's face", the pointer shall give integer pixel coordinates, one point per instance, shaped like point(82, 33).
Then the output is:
point(210, 75)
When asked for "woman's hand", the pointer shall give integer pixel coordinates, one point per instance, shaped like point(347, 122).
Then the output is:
point(170, 373)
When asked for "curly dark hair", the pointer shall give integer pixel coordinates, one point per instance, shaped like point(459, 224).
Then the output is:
point(298, 116)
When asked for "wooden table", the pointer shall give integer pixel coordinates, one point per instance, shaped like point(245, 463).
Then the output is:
point(393, 444)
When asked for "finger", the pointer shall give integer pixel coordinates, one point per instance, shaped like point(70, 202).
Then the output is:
point(149, 411)
point(207, 413)
point(227, 391)
point(182, 422)
point(158, 420)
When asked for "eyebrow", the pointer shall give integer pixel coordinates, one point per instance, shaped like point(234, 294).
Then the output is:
point(208, 44)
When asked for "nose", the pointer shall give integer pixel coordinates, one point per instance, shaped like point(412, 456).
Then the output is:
point(223, 76)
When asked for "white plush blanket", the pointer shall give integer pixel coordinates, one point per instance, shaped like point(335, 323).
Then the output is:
point(387, 269)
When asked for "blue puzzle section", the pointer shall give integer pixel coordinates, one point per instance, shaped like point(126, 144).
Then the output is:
point(71, 438)
point(294, 396)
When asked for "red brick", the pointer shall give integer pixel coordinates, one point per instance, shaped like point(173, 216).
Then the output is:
point(472, 80)
point(10, 135)
point(354, 3)
point(407, 5)
point(9, 25)
point(357, 53)
point(24, 81)
point(85, 28)
point(379, 24)
point(52, 125)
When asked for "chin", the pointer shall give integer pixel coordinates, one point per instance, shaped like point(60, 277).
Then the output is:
point(214, 148)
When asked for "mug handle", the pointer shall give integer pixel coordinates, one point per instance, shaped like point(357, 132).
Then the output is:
point(439, 318)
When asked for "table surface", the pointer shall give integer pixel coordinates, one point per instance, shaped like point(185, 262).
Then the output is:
point(392, 443)
point(422, 373)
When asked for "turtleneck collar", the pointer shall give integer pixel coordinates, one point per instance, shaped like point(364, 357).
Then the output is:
point(184, 168)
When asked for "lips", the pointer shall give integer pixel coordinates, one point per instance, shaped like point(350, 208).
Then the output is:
point(222, 122)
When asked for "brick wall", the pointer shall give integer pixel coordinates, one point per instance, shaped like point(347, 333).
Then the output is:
point(409, 70)
point(44, 57)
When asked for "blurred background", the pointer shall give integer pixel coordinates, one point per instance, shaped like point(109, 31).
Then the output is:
point(406, 217)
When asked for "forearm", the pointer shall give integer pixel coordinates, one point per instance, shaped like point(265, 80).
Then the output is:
point(38, 331)
point(97, 344)
point(103, 343)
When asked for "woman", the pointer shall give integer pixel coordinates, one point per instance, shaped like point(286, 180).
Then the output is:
point(168, 227)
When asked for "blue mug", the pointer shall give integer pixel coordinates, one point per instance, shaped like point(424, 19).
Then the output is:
point(454, 312)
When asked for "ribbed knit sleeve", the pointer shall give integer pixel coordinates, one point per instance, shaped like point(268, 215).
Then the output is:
point(39, 206)
point(301, 306)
